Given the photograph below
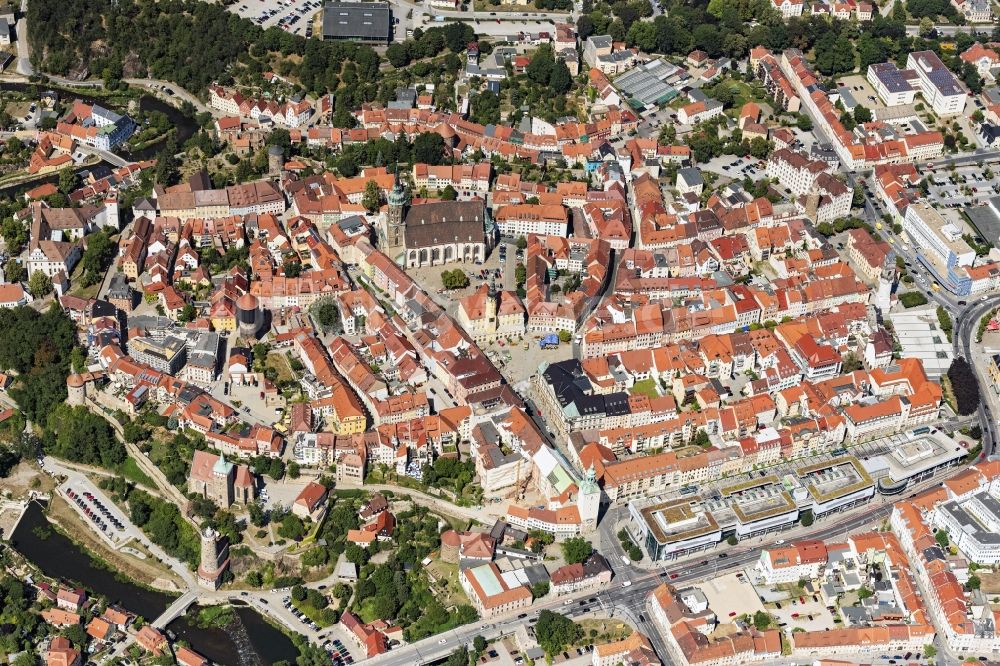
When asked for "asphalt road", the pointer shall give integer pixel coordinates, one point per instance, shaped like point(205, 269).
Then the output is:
point(631, 599)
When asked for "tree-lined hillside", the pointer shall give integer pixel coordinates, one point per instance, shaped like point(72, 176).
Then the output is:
point(186, 41)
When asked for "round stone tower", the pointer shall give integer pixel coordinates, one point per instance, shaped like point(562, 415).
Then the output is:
point(214, 560)
point(77, 390)
point(275, 160)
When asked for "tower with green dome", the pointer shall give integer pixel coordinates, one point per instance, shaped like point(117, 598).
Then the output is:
point(393, 238)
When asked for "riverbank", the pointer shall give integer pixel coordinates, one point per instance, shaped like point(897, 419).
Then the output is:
point(148, 573)
point(46, 548)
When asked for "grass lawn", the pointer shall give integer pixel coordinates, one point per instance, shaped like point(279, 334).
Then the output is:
point(366, 611)
point(947, 393)
point(607, 631)
point(646, 387)
point(312, 613)
point(446, 587)
point(279, 362)
point(745, 92)
point(130, 470)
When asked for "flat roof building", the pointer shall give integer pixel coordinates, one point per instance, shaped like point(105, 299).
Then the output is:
point(368, 22)
point(921, 337)
point(914, 458)
point(939, 87)
point(836, 484)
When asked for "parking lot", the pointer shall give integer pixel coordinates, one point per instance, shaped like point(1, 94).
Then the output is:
point(963, 187)
point(295, 16)
point(731, 595)
point(736, 167)
point(803, 612)
point(337, 647)
point(862, 91)
point(97, 511)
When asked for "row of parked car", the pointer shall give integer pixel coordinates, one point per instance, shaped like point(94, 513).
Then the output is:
point(338, 652)
point(94, 509)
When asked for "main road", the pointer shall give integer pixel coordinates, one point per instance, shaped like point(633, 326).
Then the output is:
point(631, 598)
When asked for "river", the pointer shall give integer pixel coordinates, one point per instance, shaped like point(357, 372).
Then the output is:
point(185, 127)
point(59, 557)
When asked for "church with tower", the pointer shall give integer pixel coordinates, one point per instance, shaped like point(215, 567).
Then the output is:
point(215, 478)
point(434, 233)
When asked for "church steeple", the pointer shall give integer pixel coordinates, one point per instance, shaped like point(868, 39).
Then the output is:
point(398, 201)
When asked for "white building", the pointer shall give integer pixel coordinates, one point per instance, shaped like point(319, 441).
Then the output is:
point(789, 8)
point(525, 219)
point(794, 170)
point(891, 84)
point(789, 564)
point(939, 87)
point(935, 237)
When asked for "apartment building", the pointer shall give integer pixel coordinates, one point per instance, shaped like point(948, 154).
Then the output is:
point(802, 560)
point(526, 219)
point(794, 170)
point(894, 86)
point(168, 355)
point(939, 87)
point(937, 240)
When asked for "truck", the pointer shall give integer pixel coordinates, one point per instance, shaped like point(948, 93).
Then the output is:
point(550, 341)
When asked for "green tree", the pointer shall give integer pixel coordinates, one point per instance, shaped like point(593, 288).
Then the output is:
point(258, 518)
point(39, 284)
point(760, 147)
point(851, 363)
point(926, 27)
point(973, 583)
point(761, 620)
point(76, 634)
point(560, 80)
point(79, 435)
point(454, 279)
point(14, 271)
point(292, 528)
point(944, 319)
point(540, 68)
point(555, 632)
point(862, 114)
point(485, 108)
point(428, 147)
point(460, 657)
point(522, 243)
point(576, 550)
point(667, 135)
point(97, 257)
point(449, 193)
point(327, 315)
point(565, 336)
point(67, 180)
point(964, 386)
point(188, 313)
point(806, 519)
point(539, 590)
point(371, 199)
